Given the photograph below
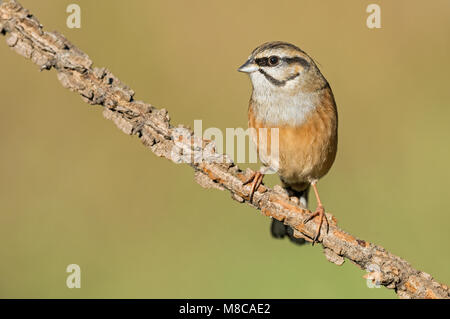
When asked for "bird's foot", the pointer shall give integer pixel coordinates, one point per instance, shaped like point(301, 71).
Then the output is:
point(255, 180)
point(320, 211)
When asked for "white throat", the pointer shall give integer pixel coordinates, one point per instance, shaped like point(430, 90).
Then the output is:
point(281, 105)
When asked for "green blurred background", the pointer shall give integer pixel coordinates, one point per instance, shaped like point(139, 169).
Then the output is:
point(74, 189)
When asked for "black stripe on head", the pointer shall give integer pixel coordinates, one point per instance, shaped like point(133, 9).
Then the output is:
point(289, 60)
point(262, 61)
point(276, 82)
point(297, 59)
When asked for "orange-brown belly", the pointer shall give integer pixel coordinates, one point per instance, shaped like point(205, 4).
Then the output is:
point(305, 153)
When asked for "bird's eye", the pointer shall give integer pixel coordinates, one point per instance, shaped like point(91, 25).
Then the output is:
point(273, 60)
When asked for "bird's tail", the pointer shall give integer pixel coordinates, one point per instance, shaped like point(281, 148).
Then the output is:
point(279, 229)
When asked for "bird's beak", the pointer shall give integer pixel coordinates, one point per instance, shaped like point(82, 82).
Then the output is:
point(248, 67)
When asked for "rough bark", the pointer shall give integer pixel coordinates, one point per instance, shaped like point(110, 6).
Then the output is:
point(98, 86)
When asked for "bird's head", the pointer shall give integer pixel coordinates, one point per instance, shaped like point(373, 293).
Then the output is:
point(282, 67)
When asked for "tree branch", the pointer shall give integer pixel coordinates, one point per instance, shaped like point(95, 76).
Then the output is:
point(98, 86)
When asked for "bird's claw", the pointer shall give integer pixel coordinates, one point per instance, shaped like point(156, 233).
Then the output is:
point(256, 180)
point(320, 211)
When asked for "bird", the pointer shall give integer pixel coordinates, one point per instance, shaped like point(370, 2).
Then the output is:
point(290, 94)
